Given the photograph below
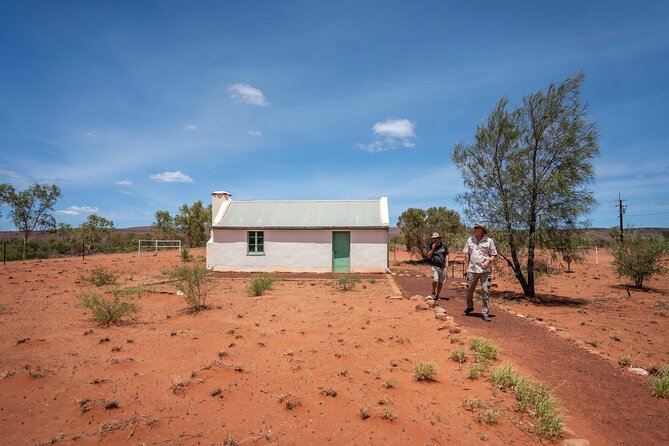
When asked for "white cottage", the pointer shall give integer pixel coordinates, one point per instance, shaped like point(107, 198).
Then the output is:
point(298, 235)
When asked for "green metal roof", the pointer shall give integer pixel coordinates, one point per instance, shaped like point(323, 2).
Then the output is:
point(306, 214)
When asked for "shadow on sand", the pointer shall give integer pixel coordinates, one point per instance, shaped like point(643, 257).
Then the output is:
point(548, 300)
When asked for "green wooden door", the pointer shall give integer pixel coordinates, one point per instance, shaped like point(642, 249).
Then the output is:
point(341, 252)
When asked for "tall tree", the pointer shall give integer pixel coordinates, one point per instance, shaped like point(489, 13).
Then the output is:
point(95, 229)
point(30, 209)
point(417, 226)
point(164, 226)
point(193, 223)
point(528, 172)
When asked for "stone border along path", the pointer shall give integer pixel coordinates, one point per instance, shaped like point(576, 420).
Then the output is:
point(600, 401)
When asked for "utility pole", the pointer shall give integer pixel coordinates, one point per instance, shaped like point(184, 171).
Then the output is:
point(621, 210)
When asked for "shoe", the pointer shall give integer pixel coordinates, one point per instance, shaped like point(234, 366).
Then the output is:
point(486, 318)
point(468, 311)
point(437, 297)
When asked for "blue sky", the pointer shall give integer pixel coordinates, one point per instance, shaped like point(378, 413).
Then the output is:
point(133, 107)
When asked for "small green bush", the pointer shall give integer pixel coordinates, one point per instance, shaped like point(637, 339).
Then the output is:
point(346, 281)
point(504, 377)
point(660, 383)
point(101, 276)
point(459, 355)
point(624, 361)
point(484, 349)
point(194, 283)
point(106, 311)
point(531, 397)
point(185, 255)
point(425, 371)
point(640, 258)
point(260, 283)
point(476, 369)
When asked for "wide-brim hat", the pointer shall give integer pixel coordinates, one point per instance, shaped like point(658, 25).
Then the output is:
point(435, 235)
point(479, 224)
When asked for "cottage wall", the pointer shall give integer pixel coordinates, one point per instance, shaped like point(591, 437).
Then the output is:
point(296, 250)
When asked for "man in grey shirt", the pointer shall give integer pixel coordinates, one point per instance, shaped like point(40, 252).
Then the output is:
point(480, 253)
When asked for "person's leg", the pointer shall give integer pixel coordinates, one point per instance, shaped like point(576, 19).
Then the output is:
point(471, 285)
point(442, 279)
point(435, 281)
point(485, 297)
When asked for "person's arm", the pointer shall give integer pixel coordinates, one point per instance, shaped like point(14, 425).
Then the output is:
point(493, 254)
point(465, 261)
point(431, 252)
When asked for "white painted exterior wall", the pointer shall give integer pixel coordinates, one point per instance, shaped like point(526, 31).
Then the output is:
point(296, 250)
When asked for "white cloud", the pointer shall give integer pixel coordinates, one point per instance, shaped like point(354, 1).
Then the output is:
point(254, 132)
point(390, 134)
point(125, 182)
point(395, 128)
point(171, 177)
point(124, 192)
point(10, 174)
point(78, 210)
point(191, 127)
point(246, 94)
point(90, 134)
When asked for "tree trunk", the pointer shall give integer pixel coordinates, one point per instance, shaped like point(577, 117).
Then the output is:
point(25, 242)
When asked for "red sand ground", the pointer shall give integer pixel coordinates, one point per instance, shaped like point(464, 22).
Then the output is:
point(302, 339)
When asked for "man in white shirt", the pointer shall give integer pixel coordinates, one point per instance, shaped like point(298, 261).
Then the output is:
point(480, 252)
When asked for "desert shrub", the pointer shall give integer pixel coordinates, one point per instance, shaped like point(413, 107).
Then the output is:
point(660, 383)
point(476, 369)
point(484, 349)
point(363, 413)
point(459, 355)
point(346, 281)
point(504, 377)
point(4, 308)
point(624, 361)
point(101, 276)
point(388, 414)
point(489, 416)
point(194, 283)
point(640, 259)
point(106, 311)
point(260, 283)
point(531, 397)
point(425, 371)
point(185, 255)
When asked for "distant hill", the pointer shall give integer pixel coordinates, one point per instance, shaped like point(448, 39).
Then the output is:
point(42, 235)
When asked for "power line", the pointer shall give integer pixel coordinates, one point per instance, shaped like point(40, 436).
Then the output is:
point(650, 213)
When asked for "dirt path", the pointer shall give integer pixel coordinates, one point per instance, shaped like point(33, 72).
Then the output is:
point(607, 405)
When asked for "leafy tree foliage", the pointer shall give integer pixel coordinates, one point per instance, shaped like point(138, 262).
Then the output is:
point(640, 258)
point(192, 224)
point(30, 209)
point(95, 229)
point(570, 245)
point(417, 226)
point(6, 190)
point(164, 226)
point(528, 172)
